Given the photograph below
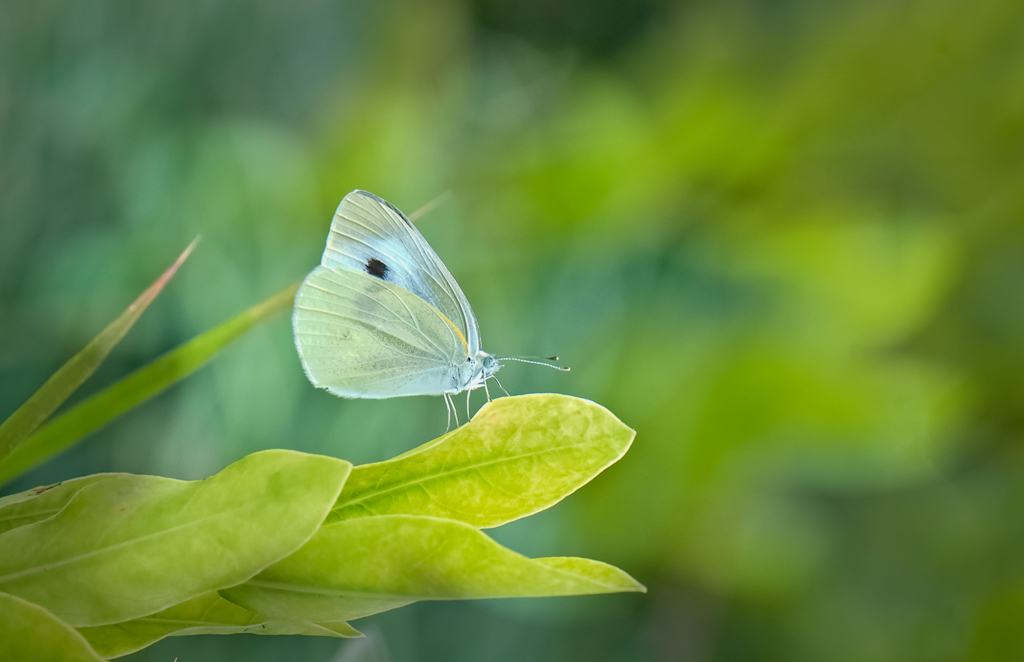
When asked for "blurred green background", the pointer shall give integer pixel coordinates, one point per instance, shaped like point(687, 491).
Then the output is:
point(782, 239)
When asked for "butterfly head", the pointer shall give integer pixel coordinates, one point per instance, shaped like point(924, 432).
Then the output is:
point(478, 369)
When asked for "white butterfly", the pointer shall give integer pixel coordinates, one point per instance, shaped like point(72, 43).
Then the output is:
point(381, 317)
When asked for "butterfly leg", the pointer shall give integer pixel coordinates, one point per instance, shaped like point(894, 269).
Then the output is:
point(455, 413)
point(469, 392)
point(495, 378)
point(487, 391)
point(449, 407)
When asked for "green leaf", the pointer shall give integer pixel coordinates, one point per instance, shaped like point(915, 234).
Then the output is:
point(518, 455)
point(129, 546)
point(29, 633)
point(79, 367)
point(205, 614)
point(144, 383)
point(357, 567)
point(42, 502)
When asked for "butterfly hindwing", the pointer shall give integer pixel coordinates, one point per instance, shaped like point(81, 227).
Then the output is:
point(369, 235)
point(360, 335)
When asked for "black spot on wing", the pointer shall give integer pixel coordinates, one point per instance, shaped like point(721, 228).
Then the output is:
point(375, 267)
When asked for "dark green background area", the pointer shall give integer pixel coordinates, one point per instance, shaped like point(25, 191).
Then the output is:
point(782, 240)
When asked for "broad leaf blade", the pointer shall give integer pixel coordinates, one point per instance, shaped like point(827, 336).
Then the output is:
point(518, 455)
point(27, 418)
point(356, 567)
point(29, 633)
point(205, 614)
point(129, 546)
point(144, 383)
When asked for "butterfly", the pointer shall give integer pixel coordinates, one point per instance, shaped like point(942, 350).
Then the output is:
point(382, 317)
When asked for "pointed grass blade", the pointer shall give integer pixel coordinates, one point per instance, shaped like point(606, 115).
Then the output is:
point(27, 418)
point(146, 382)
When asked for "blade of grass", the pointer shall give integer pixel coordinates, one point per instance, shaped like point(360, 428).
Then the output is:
point(149, 380)
point(27, 418)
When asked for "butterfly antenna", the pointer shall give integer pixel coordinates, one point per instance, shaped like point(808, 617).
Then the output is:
point(429, 207)
point(536, 361)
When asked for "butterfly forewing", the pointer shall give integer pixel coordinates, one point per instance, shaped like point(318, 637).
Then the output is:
point(361, 336)
point(371, 236)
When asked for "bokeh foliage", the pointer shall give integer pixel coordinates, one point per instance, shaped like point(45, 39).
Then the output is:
point(780, 239)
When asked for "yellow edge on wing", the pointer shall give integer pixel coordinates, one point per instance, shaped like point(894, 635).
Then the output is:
point(461, 337)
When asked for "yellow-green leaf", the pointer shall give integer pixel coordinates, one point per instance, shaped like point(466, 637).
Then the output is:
point(204, 614)
point(518, 455)
point(360, 566)
point(29, 633)
point(129, 546)
point(42, 502)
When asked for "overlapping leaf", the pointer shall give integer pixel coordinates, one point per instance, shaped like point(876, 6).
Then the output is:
point(356, 567)
point(205, 614)
point(42, 502)
point(133, 559)
point(29, 633)
point(129, 546)
point(406, 529)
